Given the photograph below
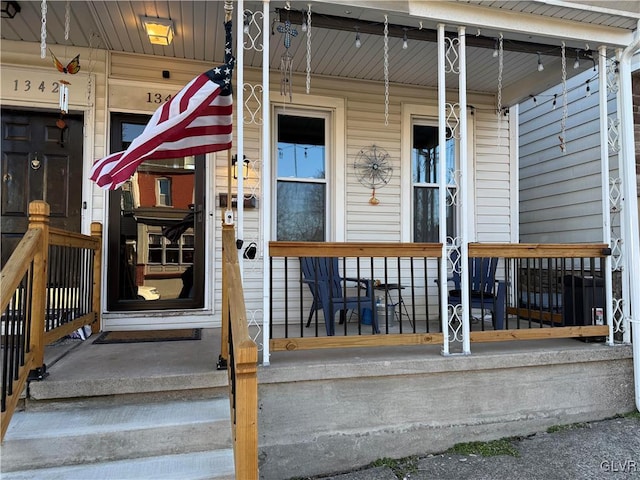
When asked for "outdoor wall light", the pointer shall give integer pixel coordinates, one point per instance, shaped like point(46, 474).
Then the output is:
point(159, 30)
point(9, 9)
point(245, 167)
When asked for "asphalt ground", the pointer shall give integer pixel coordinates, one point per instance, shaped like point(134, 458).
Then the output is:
point(602, 450)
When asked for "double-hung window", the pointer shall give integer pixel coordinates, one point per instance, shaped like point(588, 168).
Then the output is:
point(301, 176)
point(425, 175)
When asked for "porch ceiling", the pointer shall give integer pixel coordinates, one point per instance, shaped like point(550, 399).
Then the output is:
point(116, 25)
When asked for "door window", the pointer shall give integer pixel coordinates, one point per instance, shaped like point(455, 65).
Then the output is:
point(156, 230)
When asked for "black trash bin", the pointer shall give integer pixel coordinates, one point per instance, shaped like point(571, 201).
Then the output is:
point(583, 300)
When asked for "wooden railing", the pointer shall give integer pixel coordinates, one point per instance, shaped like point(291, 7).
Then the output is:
point(240, 355)
point(410, 273)
point(50, 287)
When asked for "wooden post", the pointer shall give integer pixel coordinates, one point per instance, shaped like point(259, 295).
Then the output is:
point(246, 414)
point(227, 239)
point(39, 220)
point(96, 232)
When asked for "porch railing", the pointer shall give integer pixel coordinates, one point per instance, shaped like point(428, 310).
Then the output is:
point(50, 287)
point(552, 291)
point(239, 354)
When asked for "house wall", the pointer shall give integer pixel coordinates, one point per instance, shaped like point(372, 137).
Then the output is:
point(560, 191)
point(134, 84)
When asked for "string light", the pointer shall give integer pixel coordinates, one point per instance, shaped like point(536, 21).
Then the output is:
point(358, 42)
point(588, 89)
point(405, 45)
point(555, 96)
point(576, 64)
point(495, 50)
point(540, 65)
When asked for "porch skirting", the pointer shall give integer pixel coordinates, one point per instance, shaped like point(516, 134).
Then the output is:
point(325, 412)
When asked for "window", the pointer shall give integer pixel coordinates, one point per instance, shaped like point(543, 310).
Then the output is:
point(163, 251)
point(425, 177)
point(163, 189)
point(301, 177)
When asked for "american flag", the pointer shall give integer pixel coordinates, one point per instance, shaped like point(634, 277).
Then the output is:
point(197, 120)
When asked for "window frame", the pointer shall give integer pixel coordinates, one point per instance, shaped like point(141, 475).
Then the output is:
point(434, 186)
point(329, 167)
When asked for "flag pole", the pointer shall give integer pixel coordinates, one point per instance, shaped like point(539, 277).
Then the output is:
point(228, 214)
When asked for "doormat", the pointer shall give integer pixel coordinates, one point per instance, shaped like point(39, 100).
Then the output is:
point(149, 336)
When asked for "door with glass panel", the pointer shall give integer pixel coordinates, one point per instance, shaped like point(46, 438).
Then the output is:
point(301, 175)
point(156, 230)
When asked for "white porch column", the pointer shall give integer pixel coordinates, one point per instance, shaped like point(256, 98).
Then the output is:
point(604, 171)
point(630, 213)
point(266, 184)
point(239, 127)
point(442, 187)
point(463, 193)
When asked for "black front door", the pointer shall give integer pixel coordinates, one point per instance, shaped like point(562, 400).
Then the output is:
point(41, 160)
point(156, 230)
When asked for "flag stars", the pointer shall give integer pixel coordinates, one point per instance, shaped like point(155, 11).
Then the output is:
point(217, 70)
point(227, 71)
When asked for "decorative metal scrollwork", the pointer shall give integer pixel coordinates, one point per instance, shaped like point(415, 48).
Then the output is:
point(252, 99)
point(613, 83)
point(452, 112)
point(613, 134)
point(452, 56)
point(253, 30)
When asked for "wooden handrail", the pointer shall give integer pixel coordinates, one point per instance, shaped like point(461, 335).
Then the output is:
point(354, 249)
point(538, 250)
point(24, 278)
point(242, 362)
point(17, 266)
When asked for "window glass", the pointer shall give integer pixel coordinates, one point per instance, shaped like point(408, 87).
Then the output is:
point(301, 189)
point(425, 159)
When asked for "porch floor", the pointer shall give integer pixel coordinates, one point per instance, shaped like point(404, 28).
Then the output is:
point(79, 368)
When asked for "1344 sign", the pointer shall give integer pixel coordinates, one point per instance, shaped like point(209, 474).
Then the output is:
point(157, 97)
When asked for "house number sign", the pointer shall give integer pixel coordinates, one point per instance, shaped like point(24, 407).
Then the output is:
point(142, 97)
point(40, 86)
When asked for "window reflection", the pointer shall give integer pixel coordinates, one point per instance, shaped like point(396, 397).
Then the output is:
point(156, 226)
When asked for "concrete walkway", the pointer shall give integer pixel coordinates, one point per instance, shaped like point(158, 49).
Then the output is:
point(608, 449)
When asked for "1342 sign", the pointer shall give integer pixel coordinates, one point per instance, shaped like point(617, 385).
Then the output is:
point(28, 85)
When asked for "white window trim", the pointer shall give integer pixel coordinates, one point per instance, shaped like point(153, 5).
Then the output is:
point(159, 193)
point(428, 112)
point(336, 151)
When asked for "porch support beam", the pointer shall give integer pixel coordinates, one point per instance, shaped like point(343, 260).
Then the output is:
point(499, 20)
point(604, 169)
point(630, 212)
point(463, 194)
point(266, 185)
point(239, 127)
point(459, 13)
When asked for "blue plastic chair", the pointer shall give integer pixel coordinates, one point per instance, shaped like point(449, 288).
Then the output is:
point(485, 292)
point(328, 288)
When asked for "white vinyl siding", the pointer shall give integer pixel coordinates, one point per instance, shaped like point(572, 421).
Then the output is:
point(560, 192)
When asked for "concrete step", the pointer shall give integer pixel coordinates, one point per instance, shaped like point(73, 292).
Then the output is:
point(210, 465)
point(90, 435)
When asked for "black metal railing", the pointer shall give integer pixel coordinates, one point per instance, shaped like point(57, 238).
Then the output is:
point(331, 292)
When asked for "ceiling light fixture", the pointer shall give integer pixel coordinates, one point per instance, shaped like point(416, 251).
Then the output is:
point(159, 30)
point(10, 9)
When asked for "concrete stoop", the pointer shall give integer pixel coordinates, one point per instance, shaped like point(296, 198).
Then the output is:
point(171, 439)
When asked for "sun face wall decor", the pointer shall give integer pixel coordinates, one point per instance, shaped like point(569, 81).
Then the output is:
point(373, 169)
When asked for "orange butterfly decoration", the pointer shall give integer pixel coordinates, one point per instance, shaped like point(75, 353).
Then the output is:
point(72, 67)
